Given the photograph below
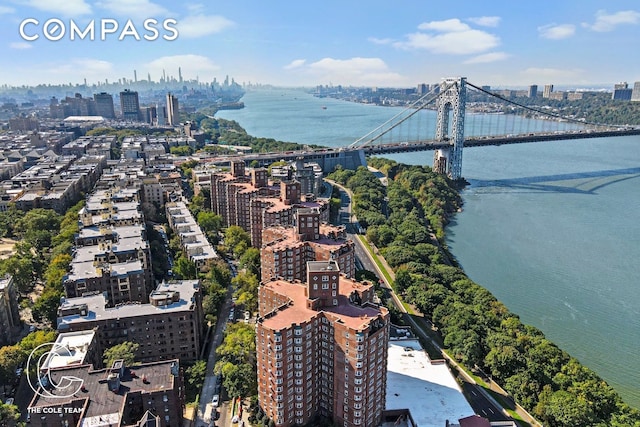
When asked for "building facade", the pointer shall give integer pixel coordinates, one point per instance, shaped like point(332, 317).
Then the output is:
point(173, 116)
point(168, 327)
point(321, 349)
point(130, 105)
point(9, 311)
point(286, 250)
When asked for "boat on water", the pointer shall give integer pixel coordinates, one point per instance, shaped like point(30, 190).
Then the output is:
point(324, 107)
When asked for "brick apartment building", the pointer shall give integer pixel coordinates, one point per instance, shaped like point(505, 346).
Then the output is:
point(148, 394)
point(253, 203)
point(286, 250)
point(169, 327)
point(321, 349)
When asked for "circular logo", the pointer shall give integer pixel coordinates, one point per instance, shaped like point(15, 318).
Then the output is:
point(62, 388)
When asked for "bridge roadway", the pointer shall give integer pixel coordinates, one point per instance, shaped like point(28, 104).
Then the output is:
point(348, 157)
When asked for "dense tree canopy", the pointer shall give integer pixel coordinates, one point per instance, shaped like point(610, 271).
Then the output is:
point(476, 328)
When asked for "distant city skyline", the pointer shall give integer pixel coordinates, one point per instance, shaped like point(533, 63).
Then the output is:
point(588, 43)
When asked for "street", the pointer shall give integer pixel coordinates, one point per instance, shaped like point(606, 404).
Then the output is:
point(210, 386)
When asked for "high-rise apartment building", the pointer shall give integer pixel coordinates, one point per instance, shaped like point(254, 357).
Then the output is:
point(130, 105)
point(104, 105)
point(533, 91)
point(635, 94)
point(621, 92)
point(286, 250)
point(173, 117)
point(321, 349)
point(548, 89)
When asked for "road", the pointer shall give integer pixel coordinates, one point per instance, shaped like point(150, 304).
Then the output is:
point(210, 386)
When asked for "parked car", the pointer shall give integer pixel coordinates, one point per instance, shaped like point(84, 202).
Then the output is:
point(215, 401)
point(9, 401)
point(247, 316)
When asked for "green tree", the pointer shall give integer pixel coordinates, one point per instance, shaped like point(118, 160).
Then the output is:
point(236, 240)
point(239, 380)
point(9, 415)
point(45, 308)
point(247, 290)
point(210, 224)
point(194, 378)
point(11, 357)
point(250, 261)
point(125, 351)
point(185, 268)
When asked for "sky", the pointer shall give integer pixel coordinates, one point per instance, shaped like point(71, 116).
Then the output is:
point(399, 43)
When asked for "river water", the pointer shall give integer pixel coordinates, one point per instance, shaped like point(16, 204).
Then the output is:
point(551, 229)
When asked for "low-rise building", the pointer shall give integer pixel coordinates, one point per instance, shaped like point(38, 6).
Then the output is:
point(147, 394)
point(193, 241)
point(169, 326)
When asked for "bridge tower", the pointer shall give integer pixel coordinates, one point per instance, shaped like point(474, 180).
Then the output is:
point(450, 126)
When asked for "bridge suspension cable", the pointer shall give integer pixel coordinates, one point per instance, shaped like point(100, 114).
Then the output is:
point(541, 112)
point(414, 107)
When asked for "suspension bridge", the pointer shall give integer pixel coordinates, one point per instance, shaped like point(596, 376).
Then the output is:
point(454, 115)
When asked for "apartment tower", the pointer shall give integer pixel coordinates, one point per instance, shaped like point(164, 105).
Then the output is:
point(321, 349)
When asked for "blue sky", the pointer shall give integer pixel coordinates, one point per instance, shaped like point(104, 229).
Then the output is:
point(363, 43)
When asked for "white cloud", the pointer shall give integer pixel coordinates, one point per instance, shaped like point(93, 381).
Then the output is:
point(376, 40)
point(194, 26)
point(557, 32)
point(77, 69)
point(133, 8)
point(449, 36)
point(354, 71)
point(6, 9)
point(444, 26)
point(61, 7)
point(487, 58)
point(20, 45)
point(558, 75)
point(486, 21)
point(455, 43)
point(296, 63)
point(192, 66)
point(608, 22)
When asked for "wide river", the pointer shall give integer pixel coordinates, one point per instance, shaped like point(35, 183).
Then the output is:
point(551, 229)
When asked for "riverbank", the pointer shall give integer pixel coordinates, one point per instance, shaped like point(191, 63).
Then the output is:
point(477, 329)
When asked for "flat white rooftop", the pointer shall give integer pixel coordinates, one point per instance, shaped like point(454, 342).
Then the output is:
point(428, 390)
point(70, 348)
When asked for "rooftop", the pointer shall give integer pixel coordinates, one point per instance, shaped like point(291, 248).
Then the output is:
point(70, 348)
point(352, 315)
point(96, 310)
point(427, 388)
point(103, 407)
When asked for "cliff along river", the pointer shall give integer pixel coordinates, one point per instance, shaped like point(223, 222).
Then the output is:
point(551, 229)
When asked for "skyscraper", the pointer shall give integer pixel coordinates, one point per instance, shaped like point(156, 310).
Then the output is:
point(130, 105)
point(173, 117)
point(547, 91)
point(104, 105)
point(635, 95)
point(533, 91)
point(321, 349)
point(621, 92)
